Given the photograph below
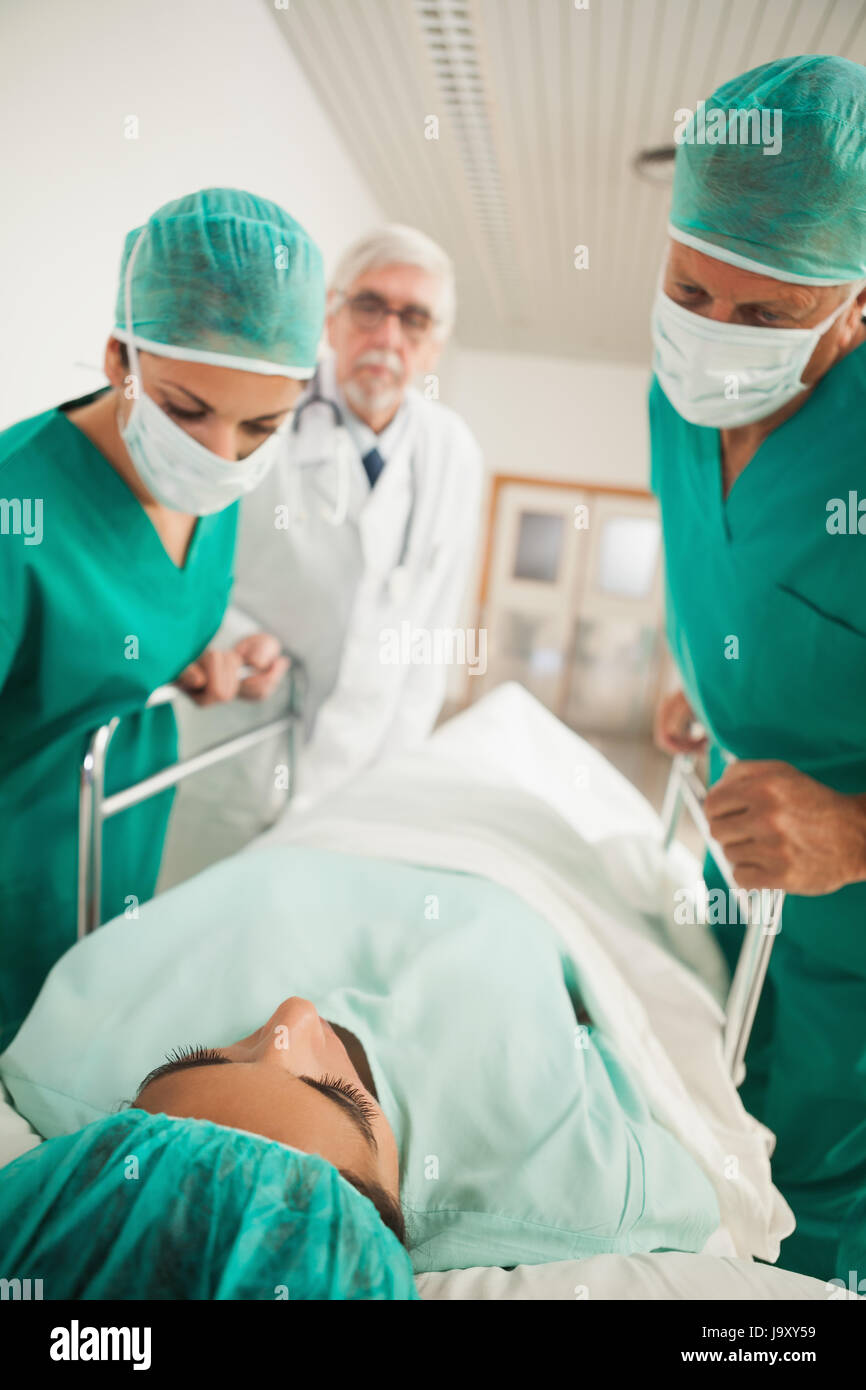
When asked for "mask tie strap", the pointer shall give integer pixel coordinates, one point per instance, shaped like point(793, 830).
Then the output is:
point(134, 363)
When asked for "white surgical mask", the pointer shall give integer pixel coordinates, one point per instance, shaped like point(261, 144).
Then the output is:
point(184, 475)
point(174, 467)
point(728, 374)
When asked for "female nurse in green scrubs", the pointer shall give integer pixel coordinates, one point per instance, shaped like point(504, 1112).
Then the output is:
point(117, 576)
point(758, 423)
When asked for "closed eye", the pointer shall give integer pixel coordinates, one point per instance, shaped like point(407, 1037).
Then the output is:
point(251, 426)
point(336, 1084)
point(181, 1058)
point(177, 414)
point(348, 1097)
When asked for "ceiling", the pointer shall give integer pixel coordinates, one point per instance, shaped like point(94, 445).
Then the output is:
point(541, 108)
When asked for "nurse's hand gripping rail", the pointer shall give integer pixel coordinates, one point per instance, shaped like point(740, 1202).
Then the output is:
point(94, 807)
point(686, 788)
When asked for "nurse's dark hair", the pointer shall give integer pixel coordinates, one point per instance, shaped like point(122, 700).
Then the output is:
point(389, 1209)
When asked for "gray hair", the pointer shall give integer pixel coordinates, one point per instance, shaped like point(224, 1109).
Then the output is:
point(399, 245)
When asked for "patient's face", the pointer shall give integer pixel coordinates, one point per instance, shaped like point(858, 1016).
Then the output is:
point(292, 1080)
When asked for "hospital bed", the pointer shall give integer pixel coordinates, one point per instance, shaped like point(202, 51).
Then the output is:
point(688, 1045)
point(684, 791)
point(95, 808)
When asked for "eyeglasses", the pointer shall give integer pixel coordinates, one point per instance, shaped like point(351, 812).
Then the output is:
point(368, 311)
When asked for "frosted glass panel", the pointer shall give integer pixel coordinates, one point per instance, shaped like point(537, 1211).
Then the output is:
point(524, 648)
point(539, 543)
point(628, 555)
point(613, 677)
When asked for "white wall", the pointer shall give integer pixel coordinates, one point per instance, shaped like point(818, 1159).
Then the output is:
point(220, 101)
point(550, 417)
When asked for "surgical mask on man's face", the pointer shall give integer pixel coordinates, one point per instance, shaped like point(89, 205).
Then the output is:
point(727, 374)
point(180, 472)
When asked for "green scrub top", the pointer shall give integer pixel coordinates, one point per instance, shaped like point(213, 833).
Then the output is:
point(95, 615)
point(767, 623)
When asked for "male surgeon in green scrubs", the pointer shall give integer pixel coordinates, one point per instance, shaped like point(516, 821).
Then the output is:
point(124, 581)
point(758, 429)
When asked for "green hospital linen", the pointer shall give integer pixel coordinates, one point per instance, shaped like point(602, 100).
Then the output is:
point(522, 1137)
point(762, 567)
point(92, 619)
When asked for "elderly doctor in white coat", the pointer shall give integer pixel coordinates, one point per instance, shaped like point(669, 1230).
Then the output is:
point(365, 530)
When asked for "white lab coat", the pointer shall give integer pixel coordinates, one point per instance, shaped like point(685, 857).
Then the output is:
point(324, 590)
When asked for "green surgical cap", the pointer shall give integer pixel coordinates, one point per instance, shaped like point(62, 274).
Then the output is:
point(799, 214)
point(140, 1206)
point(222, 276)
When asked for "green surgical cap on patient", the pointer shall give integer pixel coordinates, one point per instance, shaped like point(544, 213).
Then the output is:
point(140, 1206)
point(799, 214)
point(222, 276)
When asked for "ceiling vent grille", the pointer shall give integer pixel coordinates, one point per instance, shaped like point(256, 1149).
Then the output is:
point(448, 32)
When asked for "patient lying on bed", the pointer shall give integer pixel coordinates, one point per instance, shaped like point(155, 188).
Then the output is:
point(430, 1045)
point(301, 1080)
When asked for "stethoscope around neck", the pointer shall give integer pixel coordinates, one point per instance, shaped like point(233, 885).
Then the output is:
point(344, 450)
point(342, 455)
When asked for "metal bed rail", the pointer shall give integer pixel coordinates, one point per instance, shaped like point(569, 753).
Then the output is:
point(95, 808)
point(685, 789)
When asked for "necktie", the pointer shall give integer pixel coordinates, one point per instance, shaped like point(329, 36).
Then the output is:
point(373, 464)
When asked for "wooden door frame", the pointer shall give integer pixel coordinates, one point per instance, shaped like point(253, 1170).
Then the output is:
point(500, 480)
